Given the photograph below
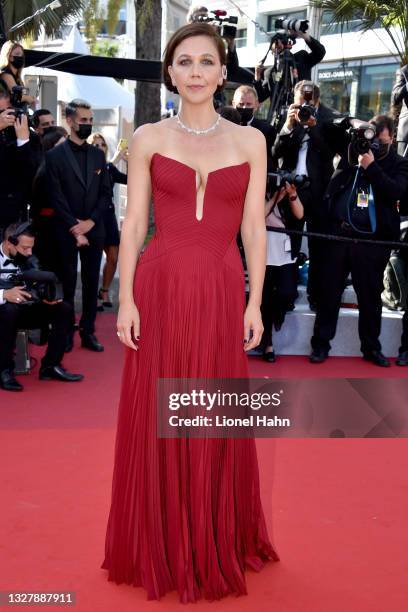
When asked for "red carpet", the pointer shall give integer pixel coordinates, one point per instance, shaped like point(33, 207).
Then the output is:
point(339, 506)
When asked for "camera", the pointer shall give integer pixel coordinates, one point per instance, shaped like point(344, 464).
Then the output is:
point(306, 110)
point(362, 138)
point(276, 180)
point(8, 136)
point(40, 284)
point(297, 25)
point(16, 95)
point(225, 24)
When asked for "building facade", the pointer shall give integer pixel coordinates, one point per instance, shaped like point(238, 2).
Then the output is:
point(358, 70)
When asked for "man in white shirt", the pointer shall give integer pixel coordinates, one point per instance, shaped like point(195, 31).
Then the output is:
point(17, 312)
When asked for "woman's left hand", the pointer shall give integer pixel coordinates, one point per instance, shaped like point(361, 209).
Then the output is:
point(252, 322)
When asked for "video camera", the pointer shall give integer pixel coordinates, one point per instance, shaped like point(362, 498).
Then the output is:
point(276, 180)
point(40, 284)
point(225, 24)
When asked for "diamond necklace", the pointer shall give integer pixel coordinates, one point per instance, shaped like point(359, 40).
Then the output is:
point(198, 132)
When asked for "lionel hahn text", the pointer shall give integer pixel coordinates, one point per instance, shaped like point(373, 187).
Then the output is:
point(223, 421)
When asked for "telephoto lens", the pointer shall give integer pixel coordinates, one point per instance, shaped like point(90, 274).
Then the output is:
point(298, 25)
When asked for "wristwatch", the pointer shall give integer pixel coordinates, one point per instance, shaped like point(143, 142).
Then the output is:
point(292, 198)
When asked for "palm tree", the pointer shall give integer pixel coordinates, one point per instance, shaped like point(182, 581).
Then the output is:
point(392, 16)
point(14, 11)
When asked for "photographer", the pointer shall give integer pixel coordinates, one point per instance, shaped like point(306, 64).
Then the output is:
point(305, 146)
point(15, 312)
point(302, 62)
point(16, 161)
point(11, 66)
point(284, 210)
point(361, 202)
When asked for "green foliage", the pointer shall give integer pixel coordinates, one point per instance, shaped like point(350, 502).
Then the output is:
point(114, 7)
point(93, 17)
point(392, 16)
point(17, 10)
point(105, 48)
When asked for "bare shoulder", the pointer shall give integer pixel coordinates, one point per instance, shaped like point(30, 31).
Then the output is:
point(247, 139)
point(148, 138)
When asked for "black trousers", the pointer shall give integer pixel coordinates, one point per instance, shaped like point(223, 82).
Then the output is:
point(317, 249)
point(14, 317)
point(67, 271)
point(367, 264)
point(279, 293)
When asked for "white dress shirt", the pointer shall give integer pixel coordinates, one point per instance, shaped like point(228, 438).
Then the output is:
point(5, 264)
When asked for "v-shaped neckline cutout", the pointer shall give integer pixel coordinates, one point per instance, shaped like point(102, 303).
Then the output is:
point(197, 174)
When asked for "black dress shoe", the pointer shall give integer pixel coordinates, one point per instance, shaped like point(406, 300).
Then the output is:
point(318, 355)
point(90, 342)
point(377, 358)
point(57, 372)
point(269, 356)
point(8, 381)
point(402, 359)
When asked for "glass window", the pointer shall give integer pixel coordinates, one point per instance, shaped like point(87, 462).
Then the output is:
point(339, 87)
point(375, 90)
point(334, 27)
point(241, 38)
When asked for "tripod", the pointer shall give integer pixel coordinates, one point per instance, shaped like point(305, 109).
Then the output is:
point(281, 82)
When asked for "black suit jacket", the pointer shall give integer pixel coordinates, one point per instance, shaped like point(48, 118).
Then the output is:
point(268, 131)
point(319, 157)
point(17, 172)
point(72, 197)
point(400, 96)
point(304, 63)
point(389, 180)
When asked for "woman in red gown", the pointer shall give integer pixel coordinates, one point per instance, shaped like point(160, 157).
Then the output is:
point(186, 514)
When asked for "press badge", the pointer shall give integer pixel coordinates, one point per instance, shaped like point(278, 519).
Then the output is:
point(362, 200)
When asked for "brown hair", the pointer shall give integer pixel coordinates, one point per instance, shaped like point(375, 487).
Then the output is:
point(96, 135)
point(188, 31)
point(383, 121)
point(316, 89)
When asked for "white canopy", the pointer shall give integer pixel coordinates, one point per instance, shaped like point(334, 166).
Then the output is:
point(100, 92)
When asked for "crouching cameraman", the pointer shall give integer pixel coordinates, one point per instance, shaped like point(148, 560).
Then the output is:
point(21, 309)
point(361, 202)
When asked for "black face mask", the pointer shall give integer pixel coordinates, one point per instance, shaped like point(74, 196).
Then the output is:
point(17, 62)
point(18, 259)
point(49, 129)
point(84, 131)
point(383, 150)
point(246, 114)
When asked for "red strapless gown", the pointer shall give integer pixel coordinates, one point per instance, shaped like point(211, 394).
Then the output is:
point(186, 513)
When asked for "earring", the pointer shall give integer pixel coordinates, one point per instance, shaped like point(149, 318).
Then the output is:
point(224, 72)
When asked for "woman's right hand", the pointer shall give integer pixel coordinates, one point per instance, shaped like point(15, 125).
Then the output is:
point(128, 321)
